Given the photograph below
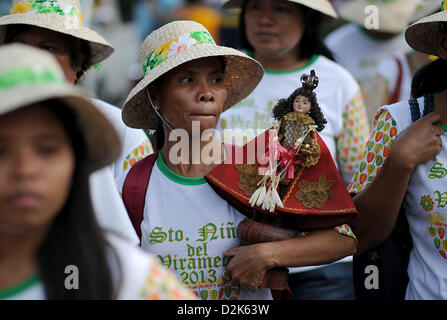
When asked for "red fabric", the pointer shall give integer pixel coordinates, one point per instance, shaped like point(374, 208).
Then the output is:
point(337, 210)
point(134, 190)
point(396, 94)
point(282, 294)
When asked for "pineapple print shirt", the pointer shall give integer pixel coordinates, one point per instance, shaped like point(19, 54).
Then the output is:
point(425, 202)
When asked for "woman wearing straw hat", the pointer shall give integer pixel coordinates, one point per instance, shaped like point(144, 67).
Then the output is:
point(412, 172)
point(51, 139)
point(56, 26)
point(283, 37)
point(374, 32)
point(188, 82)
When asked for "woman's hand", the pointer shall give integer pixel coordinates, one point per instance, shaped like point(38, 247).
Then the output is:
point(248, 266)
point(418, 143)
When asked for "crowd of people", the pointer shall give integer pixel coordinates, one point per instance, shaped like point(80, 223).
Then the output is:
point(147, 199)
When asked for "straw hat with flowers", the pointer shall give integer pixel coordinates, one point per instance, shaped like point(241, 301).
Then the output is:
point(62, 16)
point(174, 44)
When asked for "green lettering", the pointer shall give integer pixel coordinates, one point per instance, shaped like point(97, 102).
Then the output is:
point(182, 267)
point(230, 230)
point(157, 236)
point(437, 171)
point(217, 260)
point(208, 230)
point(191, 263)
point(170, 235)
point(190, 250)
point(166, 260)
point(441, 199)
point(179, 235)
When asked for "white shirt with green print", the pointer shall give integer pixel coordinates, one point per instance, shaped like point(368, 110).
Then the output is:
point(188, 226)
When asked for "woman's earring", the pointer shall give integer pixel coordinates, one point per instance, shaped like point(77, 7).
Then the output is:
point(81, 77)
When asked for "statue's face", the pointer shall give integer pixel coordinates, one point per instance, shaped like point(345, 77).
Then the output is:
point(301, 104)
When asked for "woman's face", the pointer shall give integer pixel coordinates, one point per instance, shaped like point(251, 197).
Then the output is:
point(194, 91)
point(301, 104)
point(36, 167)
point(273, 26)
point(54, 42)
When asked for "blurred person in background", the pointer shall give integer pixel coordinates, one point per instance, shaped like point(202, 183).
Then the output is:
point(151, 14)
point(375, 33)
point(406, 156)
point(202, 12)
point(284, 37)
point(51, 140)
point(77, 48)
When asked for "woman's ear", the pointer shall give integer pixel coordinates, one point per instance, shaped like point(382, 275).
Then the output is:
point(154, 96)
point(442, 45)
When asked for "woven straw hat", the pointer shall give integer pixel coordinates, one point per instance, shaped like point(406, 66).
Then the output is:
point(29, 75)
point(62, 16)
point(423, 35)
point(323, 6)
point(394, 15)
point(174, 44)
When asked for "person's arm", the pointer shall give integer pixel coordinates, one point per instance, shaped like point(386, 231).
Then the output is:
point(249, 264)
point(379, 203)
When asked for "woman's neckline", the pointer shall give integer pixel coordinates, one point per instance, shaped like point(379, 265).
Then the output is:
point(20, 287)
point(305, 66)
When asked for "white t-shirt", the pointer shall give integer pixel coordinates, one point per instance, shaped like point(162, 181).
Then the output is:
point(424, 203)
point(140, 277)
point(188, 226)
point(107, 204)
point(361, 54)
point(135, 143)
point(338, 96)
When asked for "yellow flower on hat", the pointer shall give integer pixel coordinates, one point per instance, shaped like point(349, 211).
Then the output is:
point(444, 6)
point(22, 7)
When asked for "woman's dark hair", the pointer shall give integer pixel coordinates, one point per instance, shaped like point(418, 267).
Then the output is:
point(74, 238)
point(81, 59)
point(284, 106)
point(80, 51)
point(430, 78)
point(310, 43)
